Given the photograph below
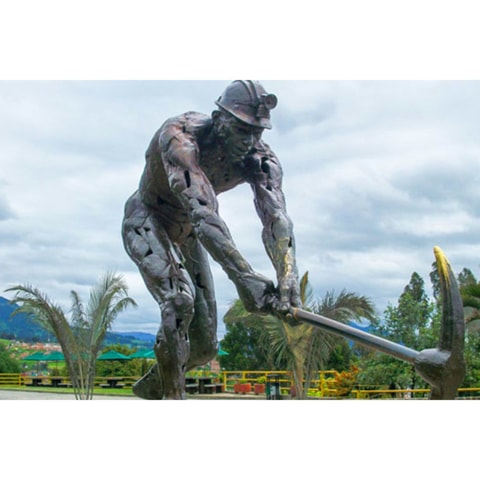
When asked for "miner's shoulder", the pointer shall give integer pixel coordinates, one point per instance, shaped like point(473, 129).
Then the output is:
point(187, 126)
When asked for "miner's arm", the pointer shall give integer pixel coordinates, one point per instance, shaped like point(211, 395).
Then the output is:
point(193, 189)
point(277, 234)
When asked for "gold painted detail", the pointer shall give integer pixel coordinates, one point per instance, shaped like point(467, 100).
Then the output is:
point(443, 265)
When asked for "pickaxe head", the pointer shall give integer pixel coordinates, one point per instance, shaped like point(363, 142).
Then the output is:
point(444, 367)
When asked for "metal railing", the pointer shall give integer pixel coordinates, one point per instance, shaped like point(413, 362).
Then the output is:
point(285, 379)
point(17, 379)
point(409, 393)
point(12, 379)
point(320, 387)
point(324, 386)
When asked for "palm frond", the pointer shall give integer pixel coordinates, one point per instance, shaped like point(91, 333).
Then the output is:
point(289, 346)
point(345, 306)
point(78, 316)
point(42, 310)
point(107, 299)
point(306, 291)
point(51, 316)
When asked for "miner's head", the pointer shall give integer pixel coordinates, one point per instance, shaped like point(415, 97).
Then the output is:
point(243, 114)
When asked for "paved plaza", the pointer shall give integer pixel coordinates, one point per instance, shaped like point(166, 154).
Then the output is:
point(27, 395)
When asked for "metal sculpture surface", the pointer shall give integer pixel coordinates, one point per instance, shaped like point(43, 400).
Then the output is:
point(172, 221)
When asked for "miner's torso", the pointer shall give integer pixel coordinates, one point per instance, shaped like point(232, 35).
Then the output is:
point(190, 129)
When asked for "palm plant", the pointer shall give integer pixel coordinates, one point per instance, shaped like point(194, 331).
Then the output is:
point(80, 337)
point(290, 343)
point(289, 346)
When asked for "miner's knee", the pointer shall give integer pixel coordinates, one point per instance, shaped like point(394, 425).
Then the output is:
point(177, 311)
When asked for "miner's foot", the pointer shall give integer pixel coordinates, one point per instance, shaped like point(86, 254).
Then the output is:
point(150, 386)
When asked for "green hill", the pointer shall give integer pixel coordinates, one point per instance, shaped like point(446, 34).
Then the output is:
point(22, 328)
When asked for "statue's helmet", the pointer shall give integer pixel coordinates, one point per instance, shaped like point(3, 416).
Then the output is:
point(248, 101)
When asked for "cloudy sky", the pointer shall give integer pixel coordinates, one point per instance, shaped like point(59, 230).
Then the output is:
point(376, 173)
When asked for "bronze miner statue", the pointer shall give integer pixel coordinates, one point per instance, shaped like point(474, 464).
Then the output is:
point(172, 221)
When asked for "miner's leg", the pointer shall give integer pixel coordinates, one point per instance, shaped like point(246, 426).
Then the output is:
point(169, 283)
point(203, 328)
point(172, 345)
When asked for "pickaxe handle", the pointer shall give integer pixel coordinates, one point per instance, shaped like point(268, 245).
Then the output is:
point(366, 339)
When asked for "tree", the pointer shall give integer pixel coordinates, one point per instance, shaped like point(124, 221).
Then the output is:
point(343, 355)
point(465, 278)
point(415, 323)
point(435, 279)
point(243, 341)
point(472, 360)
point(470, 292)
point(409, 321)
point(82, 335)
point(7, 363)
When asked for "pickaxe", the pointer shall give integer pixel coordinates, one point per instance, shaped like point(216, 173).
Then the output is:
point(442, 367)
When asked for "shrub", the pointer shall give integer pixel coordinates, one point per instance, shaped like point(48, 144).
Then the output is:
point(7, 363)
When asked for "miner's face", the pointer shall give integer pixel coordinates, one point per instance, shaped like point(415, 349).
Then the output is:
point(237, 138)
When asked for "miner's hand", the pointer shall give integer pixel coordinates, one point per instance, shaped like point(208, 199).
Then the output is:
point(257, 293)
point(288, 294)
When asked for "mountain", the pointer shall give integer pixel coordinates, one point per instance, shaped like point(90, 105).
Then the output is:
point(144, 337)
point(22, 328)
point(132, 339)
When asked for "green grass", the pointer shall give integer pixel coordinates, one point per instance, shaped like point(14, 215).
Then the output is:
point(124, 392)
